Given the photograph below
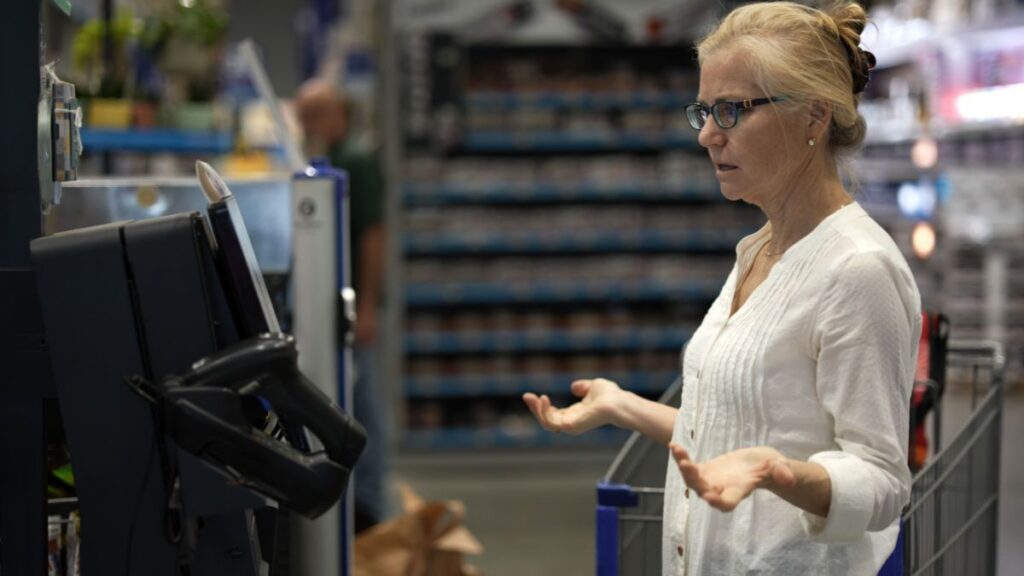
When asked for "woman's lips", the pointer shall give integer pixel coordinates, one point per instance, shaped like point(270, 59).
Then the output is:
point(723, 168)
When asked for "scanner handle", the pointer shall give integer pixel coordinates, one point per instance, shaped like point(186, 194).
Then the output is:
point(266, 366)
point(209, 423)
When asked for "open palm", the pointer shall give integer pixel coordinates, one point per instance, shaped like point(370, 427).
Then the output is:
point(596, 407)
point(726, 480)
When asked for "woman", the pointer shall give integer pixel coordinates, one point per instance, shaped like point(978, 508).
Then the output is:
point(788, 451)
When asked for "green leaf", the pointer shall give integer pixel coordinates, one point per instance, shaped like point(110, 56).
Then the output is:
point(63, 5)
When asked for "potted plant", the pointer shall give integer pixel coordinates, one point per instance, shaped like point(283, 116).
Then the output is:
point(186, 42)
point(103, 85)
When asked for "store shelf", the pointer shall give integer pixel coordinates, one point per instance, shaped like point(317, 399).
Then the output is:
point(453, 194)
point(601, 291)
point(903, 132)
point(523, 437)
point(546, 341)
point(562, 186)
point(552, 141)
point(573, 242)
point(156, 140)
point(468, 385)
point(508, 101)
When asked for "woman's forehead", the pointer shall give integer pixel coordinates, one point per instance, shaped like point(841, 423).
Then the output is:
point(726, 75)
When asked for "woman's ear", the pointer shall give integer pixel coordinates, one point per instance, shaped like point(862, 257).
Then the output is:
point(819, 118)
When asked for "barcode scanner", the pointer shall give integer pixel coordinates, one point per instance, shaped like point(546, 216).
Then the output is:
point(203, 412)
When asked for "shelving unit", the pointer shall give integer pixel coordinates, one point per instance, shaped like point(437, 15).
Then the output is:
point(155, 140)
point(443, 294)
point(483, 100)
point(134, 151)
point(451, 194)
point(559, 222)
point(516, 438)
point(544, 141)
point(964, 79)
point(597, 241)
point(514, 385)
point(546, 341)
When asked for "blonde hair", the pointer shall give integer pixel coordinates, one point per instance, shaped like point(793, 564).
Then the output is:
point(804, 54)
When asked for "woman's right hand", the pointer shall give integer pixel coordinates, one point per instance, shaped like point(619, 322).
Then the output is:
point(601, 403)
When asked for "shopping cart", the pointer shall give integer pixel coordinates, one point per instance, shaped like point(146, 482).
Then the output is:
point(950, 526)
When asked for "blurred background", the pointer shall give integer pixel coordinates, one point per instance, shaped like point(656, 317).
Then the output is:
point(548, 213)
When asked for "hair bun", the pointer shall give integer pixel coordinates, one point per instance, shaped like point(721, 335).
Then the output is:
point(849, 16)
point(861, 69)
point(850, 20)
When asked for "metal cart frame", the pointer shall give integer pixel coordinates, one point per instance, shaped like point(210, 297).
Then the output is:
point(950, 526)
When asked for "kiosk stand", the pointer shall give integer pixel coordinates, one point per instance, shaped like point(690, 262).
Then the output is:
point(181, 463)
point(323, 315)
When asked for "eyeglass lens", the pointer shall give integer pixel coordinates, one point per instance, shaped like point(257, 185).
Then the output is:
point(724, 113)
point(697, 115)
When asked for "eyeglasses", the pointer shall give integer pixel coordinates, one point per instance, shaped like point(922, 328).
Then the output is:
point(726, 114)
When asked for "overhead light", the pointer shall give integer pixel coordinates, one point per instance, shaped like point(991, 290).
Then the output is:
point(925, 153)
point(916, 199)
point(988, 104)
point(922, 240)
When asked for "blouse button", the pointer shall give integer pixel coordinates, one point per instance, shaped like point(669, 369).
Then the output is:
point(679, 550)
point(693, 434)
point(687, 493)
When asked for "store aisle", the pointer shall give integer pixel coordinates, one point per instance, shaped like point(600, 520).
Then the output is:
point(534, 513)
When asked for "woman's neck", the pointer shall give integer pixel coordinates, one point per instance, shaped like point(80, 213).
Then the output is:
point(795, 211)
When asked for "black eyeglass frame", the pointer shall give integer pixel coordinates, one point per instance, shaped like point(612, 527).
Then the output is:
point(715, 110)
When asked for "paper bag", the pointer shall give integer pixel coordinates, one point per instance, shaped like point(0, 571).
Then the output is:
point(427, 540)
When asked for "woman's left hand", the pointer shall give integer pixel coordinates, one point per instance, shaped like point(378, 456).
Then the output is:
point(726, 480)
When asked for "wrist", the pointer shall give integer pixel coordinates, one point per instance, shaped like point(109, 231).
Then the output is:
point(770, 481)
point(624, 410)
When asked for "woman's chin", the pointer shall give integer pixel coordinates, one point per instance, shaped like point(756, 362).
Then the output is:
point(731, 193)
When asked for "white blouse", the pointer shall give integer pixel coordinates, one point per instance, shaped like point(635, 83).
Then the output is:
point(818, 363)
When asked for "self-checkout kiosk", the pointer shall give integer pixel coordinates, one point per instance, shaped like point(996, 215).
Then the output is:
point(204, 440)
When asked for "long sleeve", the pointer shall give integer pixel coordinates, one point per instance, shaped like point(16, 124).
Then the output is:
point(866, 334)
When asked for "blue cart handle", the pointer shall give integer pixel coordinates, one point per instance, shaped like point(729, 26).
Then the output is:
point(618, 495)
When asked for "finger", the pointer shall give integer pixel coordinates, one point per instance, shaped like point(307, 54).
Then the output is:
point(536, 405)
point(581, 388)
point(532, 402)
point(678, 452)
point(550, 413)
point(545, 405)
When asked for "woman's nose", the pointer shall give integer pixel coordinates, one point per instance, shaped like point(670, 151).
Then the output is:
point(711, 135)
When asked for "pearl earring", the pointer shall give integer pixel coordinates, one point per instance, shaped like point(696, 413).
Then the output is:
point(810, 141)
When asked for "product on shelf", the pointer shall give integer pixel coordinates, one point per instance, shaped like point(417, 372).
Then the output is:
point(575, 231)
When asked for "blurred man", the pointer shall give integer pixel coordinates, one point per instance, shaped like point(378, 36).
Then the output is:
point(326, 120)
